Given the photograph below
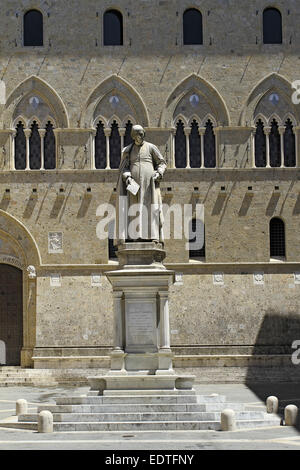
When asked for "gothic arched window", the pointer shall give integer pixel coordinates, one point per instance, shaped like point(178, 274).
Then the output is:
point(260, 145)
point(272, 26)
point(34, 147)
point(197, 235)
point(209, 146)
point(112, 28)
point(100, 147)
point(192, 27)
point(49, 148)
point(180, 146)
point(20, 147)
point(195, 146)
point(289, 145)
point(277, 237)
point(114, 146)
point(275, 149)
point(33, 28)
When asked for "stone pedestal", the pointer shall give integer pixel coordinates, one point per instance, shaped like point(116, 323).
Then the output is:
point(142, 357)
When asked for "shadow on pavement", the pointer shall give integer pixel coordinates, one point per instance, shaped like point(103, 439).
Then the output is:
point(273, 371)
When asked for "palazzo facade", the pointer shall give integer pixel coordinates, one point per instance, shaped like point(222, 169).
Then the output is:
point(214, 84)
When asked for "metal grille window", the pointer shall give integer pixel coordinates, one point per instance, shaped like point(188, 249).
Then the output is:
point(194, 228)
point(195, 146)
point(209, 146)
point(33, 28)
point(289, 145)
point(275, 150)
point(115, 146)
point(272, 26)
point(192, 27)
point(35, 147)
point(180, 146)
point(277, 238)
point(113, 28)
point(49, 148)
point(20, 148)
point(100, 147)
point(260, 145)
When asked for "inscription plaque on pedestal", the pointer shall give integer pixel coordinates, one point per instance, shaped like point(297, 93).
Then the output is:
point(141, 325)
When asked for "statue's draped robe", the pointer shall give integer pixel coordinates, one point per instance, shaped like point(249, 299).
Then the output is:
point(141, 163)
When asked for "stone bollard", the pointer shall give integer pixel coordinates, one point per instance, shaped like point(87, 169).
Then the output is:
point(21, 407)
point(272, 404)
point(45, 421)
point(228, 420)
point(290, 415)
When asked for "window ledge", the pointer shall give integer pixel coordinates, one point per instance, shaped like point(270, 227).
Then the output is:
point(275, 259)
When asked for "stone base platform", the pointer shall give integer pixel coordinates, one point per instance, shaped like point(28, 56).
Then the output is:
point(141, 382)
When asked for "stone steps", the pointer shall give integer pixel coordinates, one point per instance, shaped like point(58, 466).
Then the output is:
point(139, 408)
point(126, 426)
point(143, 417)
point(147, 410)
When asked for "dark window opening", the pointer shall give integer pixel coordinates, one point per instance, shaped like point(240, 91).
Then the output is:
point(260, 145)
point(100, 147)
point(113, 28)
point(209, 146)
point(33, 28)
point(275, 148)
point(195, 146)
point(272, 26)
point(114, 146)
point(20, 148)
point(127, 137)
point(289, 145)
point(180, 146)
point(49, 148)
point(192, 27)
point(196, 226)
point(35, 148)
point(277, 238)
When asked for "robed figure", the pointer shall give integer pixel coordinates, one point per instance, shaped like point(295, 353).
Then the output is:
point(139, 203)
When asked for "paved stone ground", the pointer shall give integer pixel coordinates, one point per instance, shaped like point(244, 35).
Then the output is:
point(275, 438)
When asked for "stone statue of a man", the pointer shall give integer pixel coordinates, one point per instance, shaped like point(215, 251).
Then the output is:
point(139, 206)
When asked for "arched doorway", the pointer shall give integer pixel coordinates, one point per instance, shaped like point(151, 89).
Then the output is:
point(11, 313)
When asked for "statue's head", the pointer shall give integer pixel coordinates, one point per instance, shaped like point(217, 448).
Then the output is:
point(138, 134)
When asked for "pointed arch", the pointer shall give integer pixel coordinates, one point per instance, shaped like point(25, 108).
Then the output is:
point(36, 86)
point(194, 83)
point(272, 83)
point(111, 84)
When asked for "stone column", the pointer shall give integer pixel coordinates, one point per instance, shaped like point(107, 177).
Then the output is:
point(187, 131)
point(122, 131)
point(267, 131)
point(27, 133)
point(93, 133)
point(201, 133)
point(296, 132)
point(172, 152)
point(164, 320)
point(107, 132)
point(13, 149)
point(253, 133)
point(42, 133)
point(118, 321)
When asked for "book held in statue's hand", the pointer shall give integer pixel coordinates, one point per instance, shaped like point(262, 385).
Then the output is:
point(133, 187)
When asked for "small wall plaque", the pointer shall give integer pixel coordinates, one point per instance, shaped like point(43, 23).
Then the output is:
point(258, 278)
point(96, 279)
point(55, 280)
point(218, 279)
point(55, 242)
point(297, 278)
point(178, 279)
